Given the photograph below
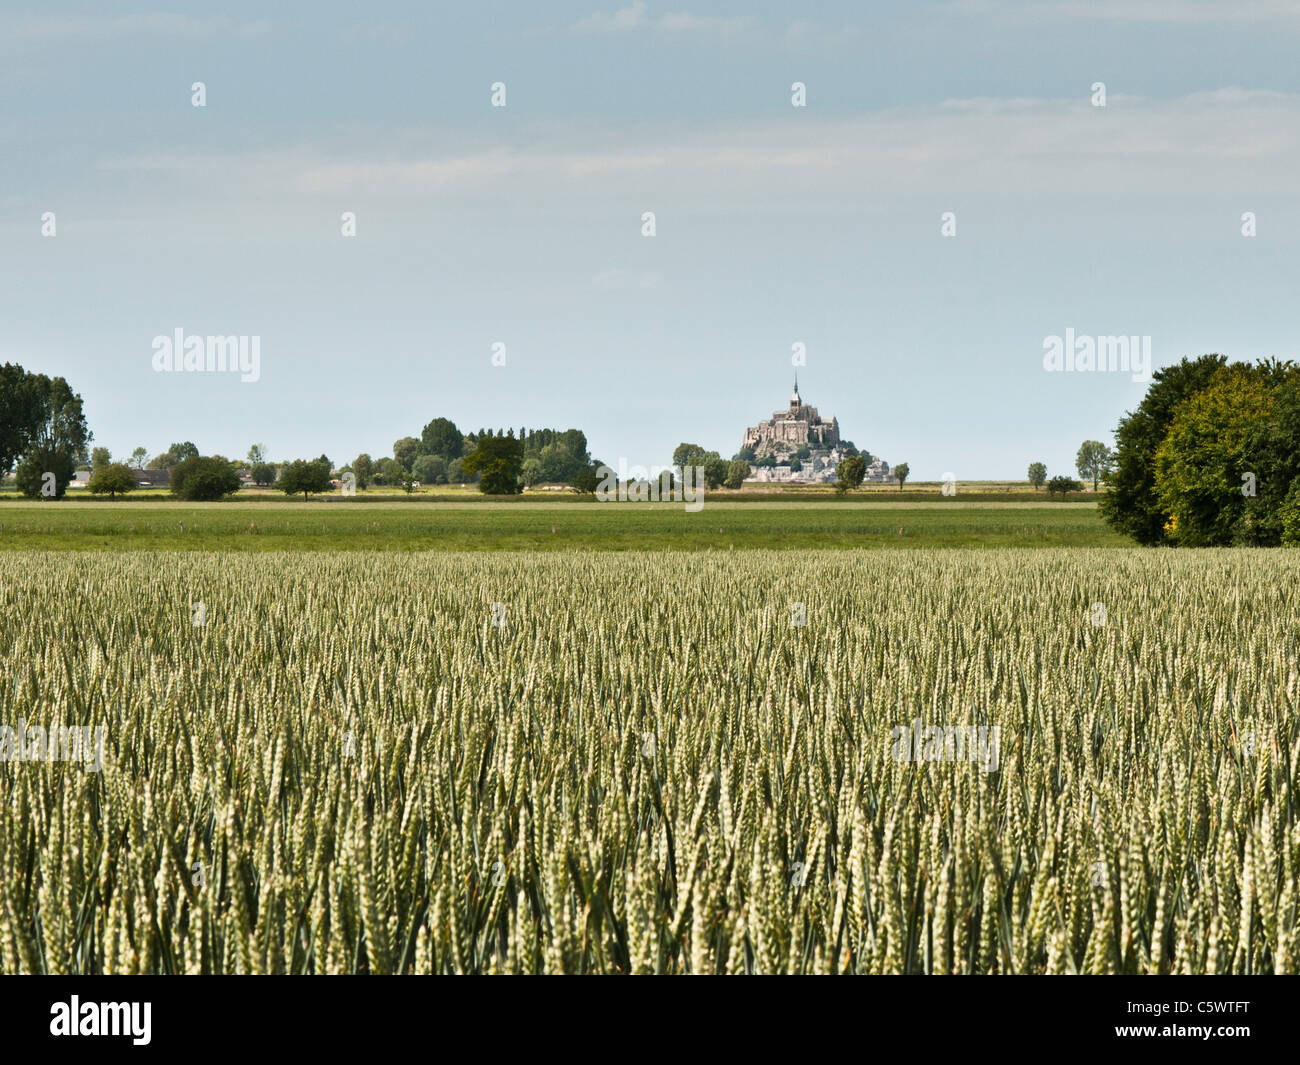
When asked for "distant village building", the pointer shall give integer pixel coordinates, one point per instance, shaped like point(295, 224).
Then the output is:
point(153, 478)
point(783, 436)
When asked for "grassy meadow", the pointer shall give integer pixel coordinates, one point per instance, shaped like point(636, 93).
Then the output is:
point(280, 524)
point(315, 762)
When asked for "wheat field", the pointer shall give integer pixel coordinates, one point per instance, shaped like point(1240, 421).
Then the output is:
point(647, 762)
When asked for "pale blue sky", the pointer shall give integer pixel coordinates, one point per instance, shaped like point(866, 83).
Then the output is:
point(522, 225)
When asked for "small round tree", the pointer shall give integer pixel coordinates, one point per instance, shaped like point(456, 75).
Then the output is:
point(112, 478)
point(588, 478)
point(362, 471)
point(737, 471)
point(715, 472)
point(200, 479)
point(305, 476)
point(1063, 485)
point(498, 460)
point(429, 469)
point(851, 472)
point(32, 473)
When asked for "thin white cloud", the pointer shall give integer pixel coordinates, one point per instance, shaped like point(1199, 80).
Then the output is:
point(627, 18)
point(1192, 12)
point(684, 22)
point(1225, 142)
point(1203, 11)
point(806, 33)
point(161, 23)
point(635, 17)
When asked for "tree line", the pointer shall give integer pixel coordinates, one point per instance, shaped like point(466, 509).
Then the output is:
point(43, 432)
point(1210, 457)
point(498, 461)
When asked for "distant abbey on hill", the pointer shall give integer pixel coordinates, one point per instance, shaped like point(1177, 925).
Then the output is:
point(787, 429)
point(797, 444)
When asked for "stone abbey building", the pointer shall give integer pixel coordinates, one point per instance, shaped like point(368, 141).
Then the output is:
point(799, 426)
point(788, 429)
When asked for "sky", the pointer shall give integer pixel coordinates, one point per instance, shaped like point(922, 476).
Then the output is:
point(522, 225)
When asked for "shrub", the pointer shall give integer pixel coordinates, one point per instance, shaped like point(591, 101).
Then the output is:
point(305, 476)
point(1063, 486)
point(112, 478)
point(30, 475)
point(205, 478)
point(737, 471)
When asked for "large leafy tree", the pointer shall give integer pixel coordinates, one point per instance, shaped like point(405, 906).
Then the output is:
point(1037, 474)
point(1200, 462)
point(499, 461)
point(531, 471)
point(362, 470)
point(19, 412)
point(441, 437)
point(1272, 457)
point(1289, 515)
point(716, 470)
point(574, 441)
point(185, 450)
point(554, 463)
point(589, 477)
point(737, 471)
point(199, 479)
point(305, 476)
point(560, 456)
point(110, 478)
point(430, 469)
point(387, 471)
point(1132, 505)
point(851, 471)
point(31, 474)
point(56, 434)
point(404, 452)
point(1094, 461)
point(62, 422)
point(689, 455)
